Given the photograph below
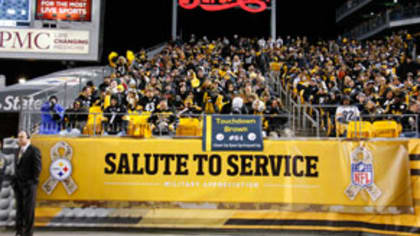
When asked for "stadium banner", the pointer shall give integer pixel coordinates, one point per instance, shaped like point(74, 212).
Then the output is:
point(339, 176)
point(232, 133)
point(44, 41)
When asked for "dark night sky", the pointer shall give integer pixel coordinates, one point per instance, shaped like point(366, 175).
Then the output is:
point(149, 23)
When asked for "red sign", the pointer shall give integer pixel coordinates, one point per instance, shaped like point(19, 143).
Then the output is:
point(253, 6)
point(65, 10)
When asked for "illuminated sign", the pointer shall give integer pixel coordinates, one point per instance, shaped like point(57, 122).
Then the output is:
point(15, 13)
point(44, 41)
point(253, 6)
point(64, 10)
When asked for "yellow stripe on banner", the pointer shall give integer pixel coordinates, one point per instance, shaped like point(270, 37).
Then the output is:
point(405, 219)
point(209, 126)
point(415, 164)
point(44, 215)
point(415, 181)
point(186, 218)
point(311, 228)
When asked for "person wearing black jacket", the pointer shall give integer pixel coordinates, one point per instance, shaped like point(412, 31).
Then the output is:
point(75, 118)
point(85, 97)
point(114, 114)
point(27, 170)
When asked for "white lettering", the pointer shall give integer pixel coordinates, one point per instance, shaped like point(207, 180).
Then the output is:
point(16, 104)
point(9, 103)
point(37, 105)
point(47, 3)
point(49, 10)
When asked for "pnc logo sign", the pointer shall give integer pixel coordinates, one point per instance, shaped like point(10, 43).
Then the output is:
point(24, 39)
point(252, 6)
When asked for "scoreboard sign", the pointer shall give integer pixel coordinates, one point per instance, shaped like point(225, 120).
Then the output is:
point(64, 10)
point(15, 13)
point(69, 30)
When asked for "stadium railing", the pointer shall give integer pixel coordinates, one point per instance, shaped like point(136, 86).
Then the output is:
point(66, 92)
point(384, 20)
point(138, 125)
point(305, 121)
point(348, 7)
point(329, 127)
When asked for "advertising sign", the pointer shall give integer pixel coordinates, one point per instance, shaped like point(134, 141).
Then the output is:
point(44, 41)
point(64, 10)
point(252, 6)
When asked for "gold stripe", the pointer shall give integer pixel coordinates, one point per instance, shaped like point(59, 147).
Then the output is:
point(415, 164)
point(208, 133)
point(318, 228)
point(415, 182)
point(44, 215)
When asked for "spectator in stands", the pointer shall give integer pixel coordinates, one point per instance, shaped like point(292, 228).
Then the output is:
point(149, 102)
point(411, 122)
point(94, 91)
point(163, 120)
point(227, 76)
point(344, 114)
point(75, 119)
point(114, 123)
point(276, 118)
point(52, 116)
point(104, 85)
point(238, 107)
point(85, 97)
point(190, 109)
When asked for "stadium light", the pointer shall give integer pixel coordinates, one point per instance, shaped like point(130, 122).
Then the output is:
point(22, 80)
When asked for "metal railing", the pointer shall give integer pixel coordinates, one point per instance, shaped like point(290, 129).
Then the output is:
point(328, 121)
point(369, 27)
point(319, 120)
point(305, 119)
point(404, 13)
point(139, 124)
point(383, 21)
point(65, 92)
point(348, 7)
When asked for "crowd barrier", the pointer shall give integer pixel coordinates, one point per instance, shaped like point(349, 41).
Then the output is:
point(137, 124)
point(370, 186)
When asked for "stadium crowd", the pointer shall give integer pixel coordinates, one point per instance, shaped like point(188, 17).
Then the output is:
point(186, 79)
point(228, 76)
point(378, 77)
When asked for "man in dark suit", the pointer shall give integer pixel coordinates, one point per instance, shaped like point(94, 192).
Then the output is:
point(27, 170)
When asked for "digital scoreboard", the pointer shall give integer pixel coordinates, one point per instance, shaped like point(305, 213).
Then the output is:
point(67, 30)
point(64, 10)
point(15, 13)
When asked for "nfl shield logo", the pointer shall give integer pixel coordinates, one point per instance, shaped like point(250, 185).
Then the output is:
point(362, 174)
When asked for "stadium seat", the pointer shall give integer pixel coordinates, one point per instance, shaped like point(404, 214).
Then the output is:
point(94, 123)
point(387, 129)
point(189, 127)
point(138, 126)
point(360, 129)
point(275, 66)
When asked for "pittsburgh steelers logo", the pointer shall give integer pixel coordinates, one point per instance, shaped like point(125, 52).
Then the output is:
point(61, 169)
